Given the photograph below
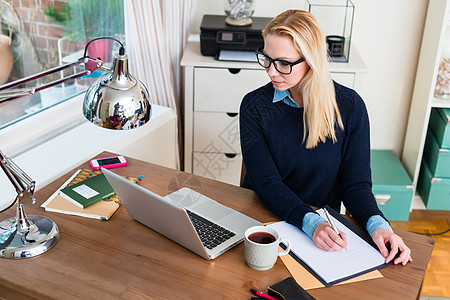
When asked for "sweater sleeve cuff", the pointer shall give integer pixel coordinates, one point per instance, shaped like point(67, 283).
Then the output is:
point(376, 222)
point(310, 222)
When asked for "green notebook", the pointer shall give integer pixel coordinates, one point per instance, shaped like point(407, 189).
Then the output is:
point(88, 192)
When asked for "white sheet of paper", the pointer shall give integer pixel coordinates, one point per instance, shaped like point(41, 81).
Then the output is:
point(331, 265)
point(232, 55)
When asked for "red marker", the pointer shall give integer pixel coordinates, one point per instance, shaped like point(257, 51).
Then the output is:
point(262, 295)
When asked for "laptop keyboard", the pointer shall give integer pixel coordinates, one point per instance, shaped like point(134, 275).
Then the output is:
point(210, 234)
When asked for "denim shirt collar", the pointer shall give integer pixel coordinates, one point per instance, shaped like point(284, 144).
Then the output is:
point(284, 96)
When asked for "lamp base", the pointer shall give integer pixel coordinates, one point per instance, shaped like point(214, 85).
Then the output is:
point(41, 236)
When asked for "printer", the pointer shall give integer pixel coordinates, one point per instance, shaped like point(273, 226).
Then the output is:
point(216, 35)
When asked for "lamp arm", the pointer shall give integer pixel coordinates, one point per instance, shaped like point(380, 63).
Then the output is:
point(6, 95)
point(24, 185)
point(40, 75)
point(10, 95)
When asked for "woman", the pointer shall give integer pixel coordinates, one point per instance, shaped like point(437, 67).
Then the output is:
point(305, 139)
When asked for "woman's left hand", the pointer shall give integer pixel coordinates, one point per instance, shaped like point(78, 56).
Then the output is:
point(383, 236)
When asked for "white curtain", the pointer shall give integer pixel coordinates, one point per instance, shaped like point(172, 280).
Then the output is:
point(156, 33)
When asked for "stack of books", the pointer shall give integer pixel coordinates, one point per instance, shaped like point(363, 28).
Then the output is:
point(87, 193)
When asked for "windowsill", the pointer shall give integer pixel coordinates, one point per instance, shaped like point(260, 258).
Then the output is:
point(31, 131)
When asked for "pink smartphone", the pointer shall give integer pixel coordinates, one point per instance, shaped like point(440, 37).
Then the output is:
point(108, 162)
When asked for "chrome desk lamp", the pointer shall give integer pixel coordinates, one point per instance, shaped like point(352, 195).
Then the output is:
point(116, 100)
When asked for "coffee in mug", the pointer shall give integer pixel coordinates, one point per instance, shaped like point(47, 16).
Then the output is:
point(262, 247)
point(262, 237)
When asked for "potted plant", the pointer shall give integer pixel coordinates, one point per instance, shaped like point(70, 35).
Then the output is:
point(83, 20)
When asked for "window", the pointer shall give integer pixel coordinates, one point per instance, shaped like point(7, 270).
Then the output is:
point(40, 34)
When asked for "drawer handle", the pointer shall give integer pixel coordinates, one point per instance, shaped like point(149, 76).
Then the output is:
point(382, 199)
point(230, 155)
point(232, 114)
point(234, 70)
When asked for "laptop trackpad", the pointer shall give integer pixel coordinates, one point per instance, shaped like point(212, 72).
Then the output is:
point(199, 204)
point(213, 210)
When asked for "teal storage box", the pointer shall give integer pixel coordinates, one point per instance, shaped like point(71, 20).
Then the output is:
point(440, 125)
point(391, 185)
point(435, 192)
point(438, 160)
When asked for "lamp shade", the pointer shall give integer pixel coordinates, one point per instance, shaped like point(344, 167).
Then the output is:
point(117, 100)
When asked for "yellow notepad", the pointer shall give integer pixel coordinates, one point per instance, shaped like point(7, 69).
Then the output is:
point(101, 210)
point(308, 281)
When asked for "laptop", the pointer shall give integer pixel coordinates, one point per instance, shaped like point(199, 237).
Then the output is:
point(188, 218)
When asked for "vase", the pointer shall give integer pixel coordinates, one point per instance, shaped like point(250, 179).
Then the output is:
point(239, 12)
point(6, 58)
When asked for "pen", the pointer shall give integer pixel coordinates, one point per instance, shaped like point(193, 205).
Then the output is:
point(330, 221)
point(262, 295)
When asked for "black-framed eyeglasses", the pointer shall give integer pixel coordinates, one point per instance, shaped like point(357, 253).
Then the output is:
point(282, 66)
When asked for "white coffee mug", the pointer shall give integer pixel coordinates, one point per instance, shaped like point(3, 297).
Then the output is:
point(261, 247)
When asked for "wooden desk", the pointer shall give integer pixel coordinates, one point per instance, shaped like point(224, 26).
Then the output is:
point(122, 258)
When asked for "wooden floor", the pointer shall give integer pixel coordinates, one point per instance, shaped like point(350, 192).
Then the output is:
point(437, 278)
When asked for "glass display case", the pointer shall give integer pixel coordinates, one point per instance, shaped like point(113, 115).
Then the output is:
point(336, 20)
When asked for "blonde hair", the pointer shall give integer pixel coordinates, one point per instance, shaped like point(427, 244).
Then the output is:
point(321, 112)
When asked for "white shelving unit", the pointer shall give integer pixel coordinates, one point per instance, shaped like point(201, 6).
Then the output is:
point(437, 28)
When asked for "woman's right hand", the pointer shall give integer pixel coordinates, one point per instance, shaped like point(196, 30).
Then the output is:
point(326, 239)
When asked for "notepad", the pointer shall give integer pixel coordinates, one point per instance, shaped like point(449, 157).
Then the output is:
point(88, 192)
point(332, 267)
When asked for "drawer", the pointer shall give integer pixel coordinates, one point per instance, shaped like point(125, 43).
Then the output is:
point(218, 166)
point(391, 185)
point(394, 202)
point(216, 132)
point(347, 79)
point(435, 191)
point(440, 125)
point(222, 90)
point(438, 160)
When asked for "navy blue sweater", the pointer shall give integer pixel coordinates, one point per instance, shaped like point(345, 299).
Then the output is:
point(287, 177)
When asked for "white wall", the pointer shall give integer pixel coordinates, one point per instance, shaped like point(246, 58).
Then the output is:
point(387, 35)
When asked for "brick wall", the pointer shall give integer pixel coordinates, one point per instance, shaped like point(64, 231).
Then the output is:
point(44, 34)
